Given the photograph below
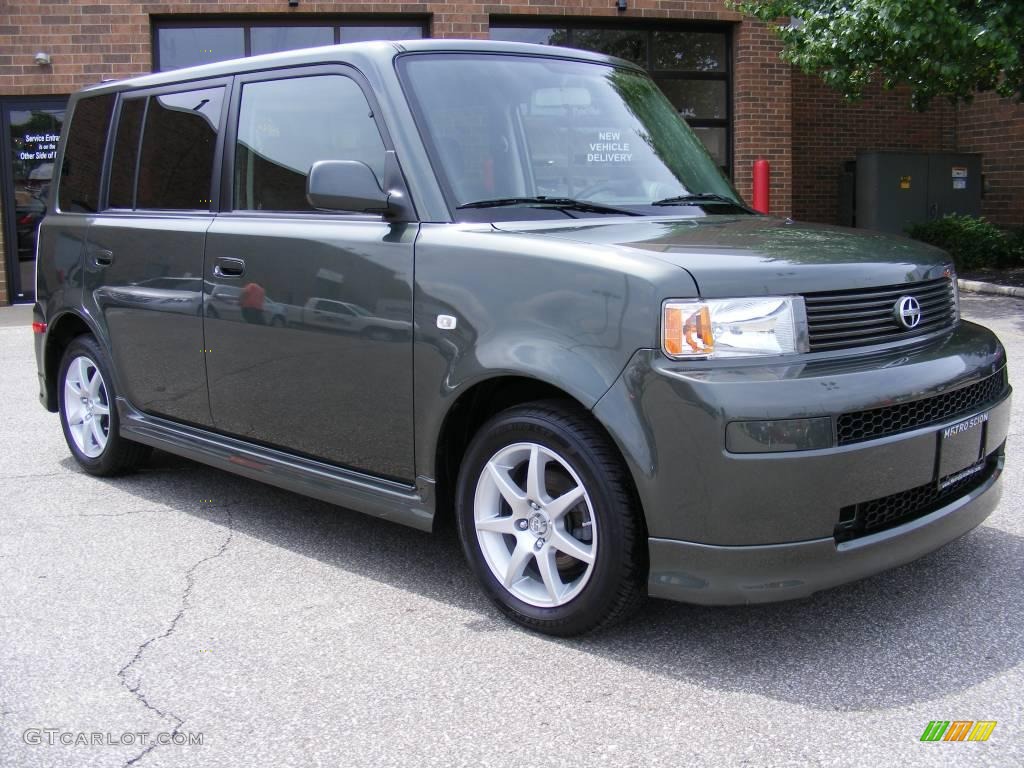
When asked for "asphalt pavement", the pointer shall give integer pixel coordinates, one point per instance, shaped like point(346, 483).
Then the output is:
point(282, 631)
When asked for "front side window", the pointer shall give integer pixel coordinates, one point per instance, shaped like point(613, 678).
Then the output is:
point(512, 126)
point(178, 145)
point(83, 155)
point(284, 126)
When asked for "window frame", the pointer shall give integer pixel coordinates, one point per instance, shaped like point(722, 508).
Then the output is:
point(230, 134)
point(180, 87)
point(648, 28)
point(247, 23)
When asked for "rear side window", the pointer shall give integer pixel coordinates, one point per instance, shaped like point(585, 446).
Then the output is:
point(178, 144)
point(284, 126)
point(126, 150)
point(79, 190)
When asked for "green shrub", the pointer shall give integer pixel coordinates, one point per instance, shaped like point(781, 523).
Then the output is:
point(972, 242)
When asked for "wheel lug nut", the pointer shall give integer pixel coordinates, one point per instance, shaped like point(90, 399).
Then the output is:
point(539, 544)
point(534, 505)
point(522, 525)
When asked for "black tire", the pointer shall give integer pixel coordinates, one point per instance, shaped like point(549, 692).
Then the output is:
point(616, 585)
point(119, 455)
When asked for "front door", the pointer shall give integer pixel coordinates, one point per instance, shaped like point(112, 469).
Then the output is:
point(31, 132)
point(308, 313)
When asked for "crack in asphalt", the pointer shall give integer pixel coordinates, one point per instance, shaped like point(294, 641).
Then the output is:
point(116, 514)
point(135, 690)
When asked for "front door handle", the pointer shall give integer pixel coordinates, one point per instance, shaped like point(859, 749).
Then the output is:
point(102, 257)
point(227, 267)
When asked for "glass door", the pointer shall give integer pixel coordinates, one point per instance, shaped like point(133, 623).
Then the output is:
point(31, 131)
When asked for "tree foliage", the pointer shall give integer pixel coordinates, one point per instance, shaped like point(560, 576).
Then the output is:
point(949, 48)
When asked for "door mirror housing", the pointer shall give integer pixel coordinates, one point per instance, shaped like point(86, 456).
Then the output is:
point(349, 185)
point(345, 185)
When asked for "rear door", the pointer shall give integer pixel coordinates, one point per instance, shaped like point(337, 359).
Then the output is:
point(286, 369)
point(144, 256)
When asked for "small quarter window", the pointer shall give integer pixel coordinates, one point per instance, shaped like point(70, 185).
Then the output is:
point(83, 155)
point(178, 144)
point(284, 126)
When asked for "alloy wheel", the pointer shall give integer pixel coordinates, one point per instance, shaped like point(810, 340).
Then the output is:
point(535, 524)
point(87, 406)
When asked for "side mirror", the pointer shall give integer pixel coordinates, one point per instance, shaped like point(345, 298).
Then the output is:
point(345, 185)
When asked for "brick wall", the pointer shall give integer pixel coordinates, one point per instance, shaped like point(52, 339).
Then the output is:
point(762, 120)
point(828, 130)
point(995, 127)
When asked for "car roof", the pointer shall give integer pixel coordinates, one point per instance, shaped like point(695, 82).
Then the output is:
point(379, 53)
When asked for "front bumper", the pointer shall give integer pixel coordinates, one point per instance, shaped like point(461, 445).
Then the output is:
point(758, 526)
point(710, 575)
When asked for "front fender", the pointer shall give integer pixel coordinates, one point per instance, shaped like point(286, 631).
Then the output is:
point(565, 314)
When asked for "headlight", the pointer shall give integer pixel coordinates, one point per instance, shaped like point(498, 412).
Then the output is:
point(716, 328)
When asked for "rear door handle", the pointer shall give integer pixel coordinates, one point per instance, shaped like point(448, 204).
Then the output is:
point(102, 257)
point(227, 267)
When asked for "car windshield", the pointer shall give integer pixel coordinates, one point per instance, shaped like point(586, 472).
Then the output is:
point(536, 132)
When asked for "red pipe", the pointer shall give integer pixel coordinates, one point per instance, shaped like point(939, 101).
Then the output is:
point(762, 182)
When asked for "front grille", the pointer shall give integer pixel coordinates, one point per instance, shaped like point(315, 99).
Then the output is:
point(899, 508)
point(856, 318)
point(878, 422)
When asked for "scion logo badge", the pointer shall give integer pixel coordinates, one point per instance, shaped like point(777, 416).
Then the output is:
point(908, 312)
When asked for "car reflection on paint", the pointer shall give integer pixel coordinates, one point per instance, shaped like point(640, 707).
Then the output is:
point(346, 317)
point(225, 303)
point(27, 216)
point(180, 295)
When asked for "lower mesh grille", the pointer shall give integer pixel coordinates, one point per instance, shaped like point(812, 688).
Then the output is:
point(889, 511)
point(879, 422)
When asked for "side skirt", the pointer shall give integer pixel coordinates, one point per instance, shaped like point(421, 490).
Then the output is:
point(408, 505)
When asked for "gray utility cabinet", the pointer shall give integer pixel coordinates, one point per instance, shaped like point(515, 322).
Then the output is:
point(897, 189)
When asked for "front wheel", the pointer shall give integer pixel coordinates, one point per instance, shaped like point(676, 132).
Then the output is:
point(88, 412)
point(549, 521)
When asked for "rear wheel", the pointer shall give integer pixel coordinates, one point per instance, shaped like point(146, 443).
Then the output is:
point(88, 412)
point(549, 522)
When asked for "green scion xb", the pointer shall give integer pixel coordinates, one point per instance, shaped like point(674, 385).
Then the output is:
point(506, 284)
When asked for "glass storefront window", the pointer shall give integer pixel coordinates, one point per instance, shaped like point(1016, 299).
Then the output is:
point(626, 44)
point(182, 45)
point(33, 134)
point(190, 46)
point(360, 34)
point(274, 39)
point(690, 51)
point(536, 35)
point(696, 98)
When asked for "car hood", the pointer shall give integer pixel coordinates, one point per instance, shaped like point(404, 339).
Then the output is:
point(758, 255)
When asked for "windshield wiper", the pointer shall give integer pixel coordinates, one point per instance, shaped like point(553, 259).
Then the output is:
point(562, 203)
point(704, 197)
